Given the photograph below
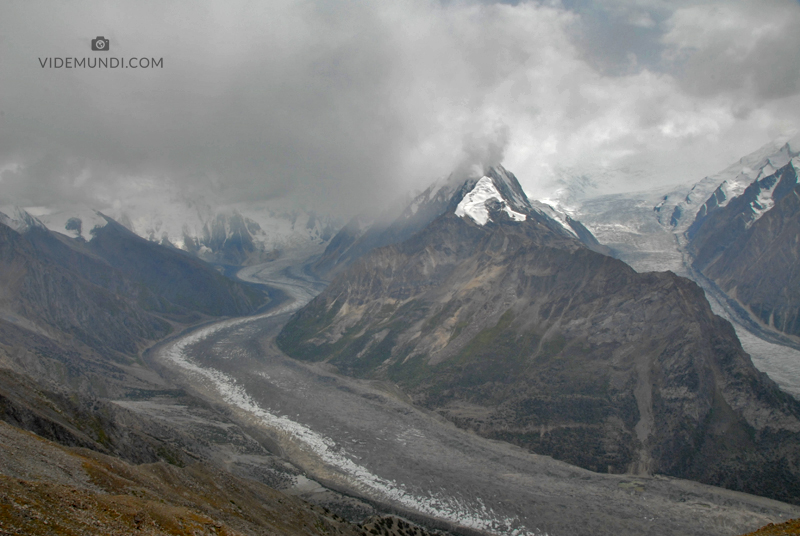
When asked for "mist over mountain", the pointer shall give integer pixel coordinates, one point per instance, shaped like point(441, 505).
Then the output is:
point(241, 234)
point(366, 232)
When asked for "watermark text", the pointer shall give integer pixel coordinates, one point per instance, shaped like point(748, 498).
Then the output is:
point(101, 63)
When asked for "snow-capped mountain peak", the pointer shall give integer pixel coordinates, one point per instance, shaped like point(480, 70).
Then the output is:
point(474, 203)
point(499, 185)
point(78, 223)
point(19, 219)
point(678, 210)
point(766, 183)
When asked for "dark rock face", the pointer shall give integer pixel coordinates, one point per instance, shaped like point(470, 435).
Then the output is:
point(755, 260)
point(523, 334)
point(174, 276)
point(230, 237)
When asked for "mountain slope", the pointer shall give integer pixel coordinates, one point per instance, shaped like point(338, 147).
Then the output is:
point(513, 328)
point(41, 294)
point(76, 314)
point(172, 274)
point(50, 489)
point(750, 248)
point(158, 278)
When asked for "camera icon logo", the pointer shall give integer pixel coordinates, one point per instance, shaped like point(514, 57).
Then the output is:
point(100, 43)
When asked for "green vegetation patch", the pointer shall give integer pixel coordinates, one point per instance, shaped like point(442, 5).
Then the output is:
point(410, 373)
point(552, 347)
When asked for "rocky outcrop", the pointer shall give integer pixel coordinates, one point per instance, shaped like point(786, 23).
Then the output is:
point(521, 333)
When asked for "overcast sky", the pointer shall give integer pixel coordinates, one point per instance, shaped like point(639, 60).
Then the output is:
point(331, 104)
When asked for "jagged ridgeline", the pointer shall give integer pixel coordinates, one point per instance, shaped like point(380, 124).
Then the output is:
point(500, 318)
point(749, 246)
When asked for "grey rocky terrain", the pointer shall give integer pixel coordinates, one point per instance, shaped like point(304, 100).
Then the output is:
point(367, 439)
point(521, 333)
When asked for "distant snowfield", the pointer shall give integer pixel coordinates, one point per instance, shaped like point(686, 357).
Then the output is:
point(75, 223)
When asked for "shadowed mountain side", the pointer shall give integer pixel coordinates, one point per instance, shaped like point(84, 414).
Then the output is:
point(103, 292)
point(523, 334)
point(751, 249)
point(48, 295)
point(172, 274)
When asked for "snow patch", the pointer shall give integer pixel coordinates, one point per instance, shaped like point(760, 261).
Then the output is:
point(766, 171)
point(78, 223)
point(761, 204)
point(19, 219)
point(764, 201)
point(553, 214)
point(474, 203)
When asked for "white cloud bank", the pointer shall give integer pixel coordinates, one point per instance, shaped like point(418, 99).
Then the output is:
point(331, 104)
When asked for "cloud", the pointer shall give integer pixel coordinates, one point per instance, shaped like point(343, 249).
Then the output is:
point(334, 104)
point(744, 49)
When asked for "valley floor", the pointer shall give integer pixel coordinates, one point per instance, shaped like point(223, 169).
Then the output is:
point(365, 440)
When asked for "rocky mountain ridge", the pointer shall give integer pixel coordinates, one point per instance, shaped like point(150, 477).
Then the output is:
point(749, 248)
point(517, 330)
point(240, 234)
